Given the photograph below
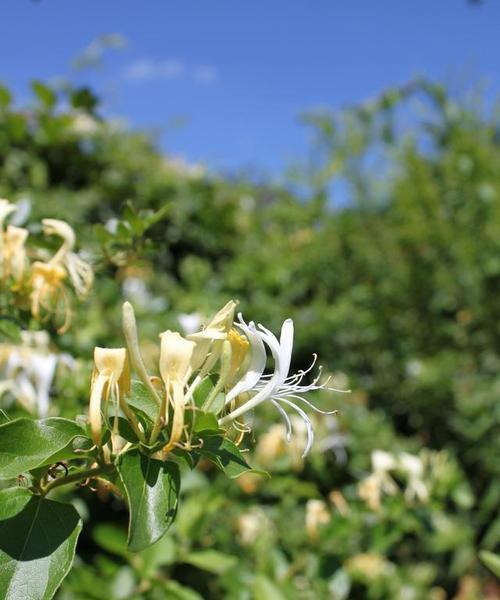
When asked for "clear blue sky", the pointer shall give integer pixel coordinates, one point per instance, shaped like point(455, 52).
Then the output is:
point(239, 73)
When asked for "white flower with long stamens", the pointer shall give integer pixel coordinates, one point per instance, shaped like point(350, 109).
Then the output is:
point(280, 388)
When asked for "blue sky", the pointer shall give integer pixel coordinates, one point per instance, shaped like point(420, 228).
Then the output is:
point(225, 80)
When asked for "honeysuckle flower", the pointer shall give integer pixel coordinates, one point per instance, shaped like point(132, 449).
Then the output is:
point(413, 466)
point(209, 339)
point(280, 388)
point(175, 368)
point(29, 369)
point(253, 526)
point(110, 381)
point(317, 514)
point(79, 271)
point(14, 253)
point(6, 208)
point(47, 278)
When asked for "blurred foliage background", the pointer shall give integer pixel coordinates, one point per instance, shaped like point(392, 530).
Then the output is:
point(385, 250)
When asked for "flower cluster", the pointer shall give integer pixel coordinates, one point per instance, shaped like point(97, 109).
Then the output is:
point(27, 371)
point(43, 280)
point(227, 354)
point(408, 466)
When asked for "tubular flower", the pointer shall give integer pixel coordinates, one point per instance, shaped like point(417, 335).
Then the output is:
point(29, 369)
point(6, 208)
point(47, 278)
point(234, 355)
point(14, 253)
point(209, 340)
point(110, 380)
point(175, 367)
point(280, 388)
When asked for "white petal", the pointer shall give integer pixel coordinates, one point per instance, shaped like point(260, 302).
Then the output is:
point(257, 362)
point(286, 418)
point(305, 418)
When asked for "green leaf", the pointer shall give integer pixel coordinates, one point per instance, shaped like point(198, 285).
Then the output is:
point(26, 444)
point(141, 399)
point(84, 98)
point(111, 538)
point(205, 422)
point(46, 96)
point(161, 553)
point(37, 544)
point(265, 589)
point(152, 488)
point(227, 456)
point(491, 560)
point(10, 331)
point(211, 560)
point(5, 97)
point(176, 591)
point(203, 390)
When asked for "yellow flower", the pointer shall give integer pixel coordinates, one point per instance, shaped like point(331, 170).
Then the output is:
point(14, 253)
point(6, 208)
point(239, 351)
point(47, 278)
point(110, 379)
point(176, 353)
point(209, 340)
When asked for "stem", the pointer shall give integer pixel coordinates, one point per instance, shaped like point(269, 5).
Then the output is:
point(160, 419)
point(72, 477)
point(132, 419)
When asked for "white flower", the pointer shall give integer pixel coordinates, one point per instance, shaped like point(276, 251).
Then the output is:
point(280, 388)
point(30, 369)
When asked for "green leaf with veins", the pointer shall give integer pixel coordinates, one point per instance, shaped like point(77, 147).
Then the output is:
point(152, 489)
point(37, 544)
point(226, 455)
point(26, 444)
point(141, 399)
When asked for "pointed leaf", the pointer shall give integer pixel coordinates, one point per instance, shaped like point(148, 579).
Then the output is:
point(37, 544)
point(492, 561)
point(141, 399)
point(26, 444)
point(152, 488)
point(227, 456)
point(211, 560)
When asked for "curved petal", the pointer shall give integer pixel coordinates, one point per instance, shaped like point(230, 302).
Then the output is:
point(257, 362)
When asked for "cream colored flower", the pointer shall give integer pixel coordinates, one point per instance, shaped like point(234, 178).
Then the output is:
point(317, 514)
point(14, 253)
point(6, 208)
point(47, 278)
point(176, 353)
point(209, 339)
point(110, 381)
